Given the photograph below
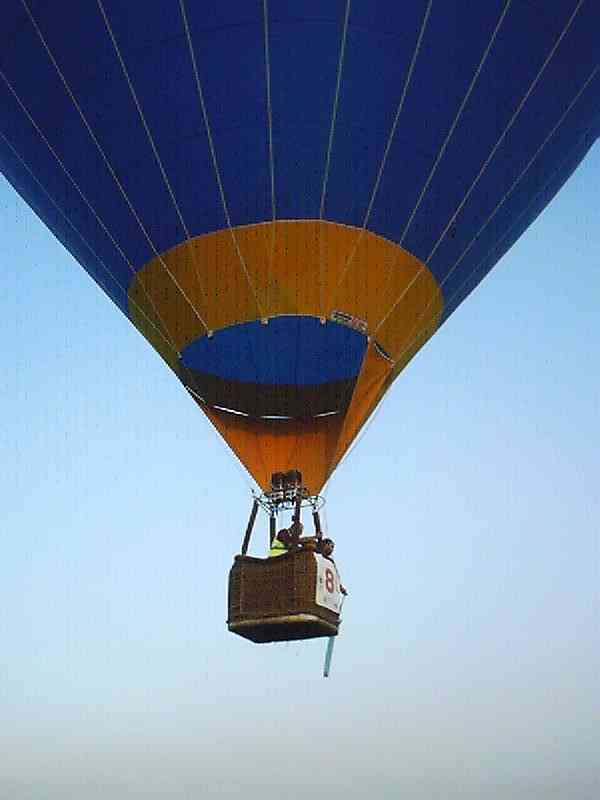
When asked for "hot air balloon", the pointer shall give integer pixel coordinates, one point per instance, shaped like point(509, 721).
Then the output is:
point(287, 199)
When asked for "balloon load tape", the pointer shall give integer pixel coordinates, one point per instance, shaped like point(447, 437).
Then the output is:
point(356, 323)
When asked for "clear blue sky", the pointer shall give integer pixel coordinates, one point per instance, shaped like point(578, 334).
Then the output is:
point(467, 526)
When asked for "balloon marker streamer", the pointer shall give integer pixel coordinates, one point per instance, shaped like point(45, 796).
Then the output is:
point(328, 656)
point(329, 650)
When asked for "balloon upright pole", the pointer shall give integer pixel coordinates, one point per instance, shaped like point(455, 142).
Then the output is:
point(297, 508)
point(317, 523)
point(251, 521)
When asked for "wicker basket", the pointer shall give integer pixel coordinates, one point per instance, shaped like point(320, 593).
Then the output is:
point(273, 599)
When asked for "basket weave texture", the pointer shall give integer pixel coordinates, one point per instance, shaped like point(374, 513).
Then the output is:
point(269, 588)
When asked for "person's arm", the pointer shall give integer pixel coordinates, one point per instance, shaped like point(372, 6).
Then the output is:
point(342, 587)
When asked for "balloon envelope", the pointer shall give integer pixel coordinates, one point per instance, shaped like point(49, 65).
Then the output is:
point(288, 199)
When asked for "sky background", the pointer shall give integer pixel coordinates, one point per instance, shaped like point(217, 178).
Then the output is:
point(467, 526)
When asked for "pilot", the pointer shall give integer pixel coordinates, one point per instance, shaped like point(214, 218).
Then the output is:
point(280, 544)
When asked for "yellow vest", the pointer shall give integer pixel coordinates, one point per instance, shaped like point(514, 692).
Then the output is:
point(277, 548)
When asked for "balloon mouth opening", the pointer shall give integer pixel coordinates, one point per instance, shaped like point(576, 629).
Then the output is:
point(293, 367)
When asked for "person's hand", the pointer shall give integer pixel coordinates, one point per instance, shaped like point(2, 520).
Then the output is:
point(343, 590)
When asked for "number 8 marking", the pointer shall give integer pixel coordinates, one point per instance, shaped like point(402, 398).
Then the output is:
point(329, 581)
